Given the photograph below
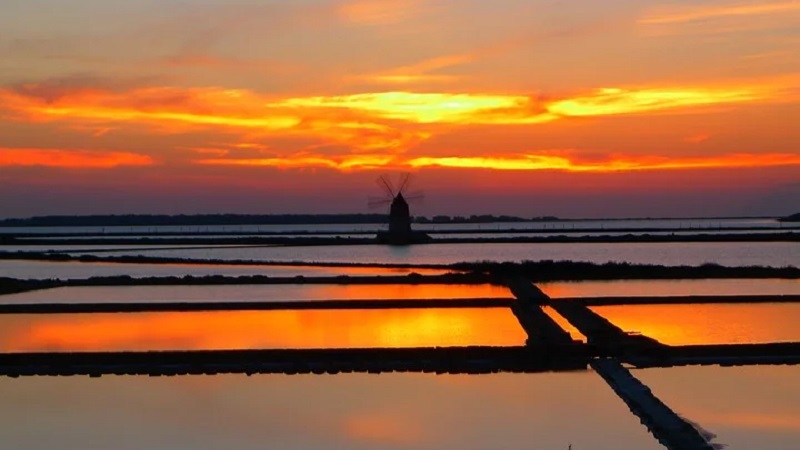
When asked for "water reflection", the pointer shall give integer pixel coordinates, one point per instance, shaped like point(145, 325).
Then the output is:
point(747, 407)
point(665, 288)
point(249, 292)
point(353, 411)
point(260, 329)
point(708, 324)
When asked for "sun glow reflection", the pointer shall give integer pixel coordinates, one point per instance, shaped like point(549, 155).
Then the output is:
point(261, 329)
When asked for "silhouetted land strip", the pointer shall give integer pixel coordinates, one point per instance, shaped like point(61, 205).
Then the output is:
point(141, 259)
point(296, 361)
point(327, 241)
point(152, 220)
point(680, 300)
point(718, 354)
point(11, 285)
point(668, 427)
point(129, 220)
point(264, 233)
point(471, 360)
point(792, 218)
point(547, 270)
point(135, 307)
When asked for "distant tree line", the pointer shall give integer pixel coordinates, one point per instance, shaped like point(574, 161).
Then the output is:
point(792, 218)
point(483, 218)
point(131, 220)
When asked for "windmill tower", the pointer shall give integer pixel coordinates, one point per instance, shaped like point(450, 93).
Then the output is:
point(400, 232)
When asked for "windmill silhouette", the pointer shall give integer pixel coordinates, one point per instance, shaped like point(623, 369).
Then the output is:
point(397, 197)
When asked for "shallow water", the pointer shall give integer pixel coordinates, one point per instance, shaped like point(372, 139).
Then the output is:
point(709, 324)
point(665, 288)
point(775, 254)
point(250, 292)
point(224, 330)
point(351, 411)
point(750, 407)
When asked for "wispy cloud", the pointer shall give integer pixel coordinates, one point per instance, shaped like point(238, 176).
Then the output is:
point(700, 13)
point(520, 162)
point(379, 12)
point(720, 19)
point(71, 159)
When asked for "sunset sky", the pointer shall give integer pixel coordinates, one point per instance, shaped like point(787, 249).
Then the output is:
point(577, 108)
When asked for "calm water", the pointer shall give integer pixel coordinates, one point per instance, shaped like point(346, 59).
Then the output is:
point(632, 288)
point(349, 411)
point(753, 407)
point(709, 324)
point(25, 269)
point(260, 329)
point(776, 254)
point(221, 293)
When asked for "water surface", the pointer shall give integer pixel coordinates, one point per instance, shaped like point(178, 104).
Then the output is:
point(748, 407)
point(707, 323)
point(307, 412)
point(225, 330)
point(775, 254)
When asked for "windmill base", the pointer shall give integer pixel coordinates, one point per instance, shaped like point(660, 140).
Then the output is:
point(414, 237)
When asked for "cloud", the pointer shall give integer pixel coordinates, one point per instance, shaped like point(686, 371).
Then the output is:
point(379, 12)
point(519, 162)
point(71, 159)
point(699, 13)
point(725, 18)
point(392, 121)
point(300, 161)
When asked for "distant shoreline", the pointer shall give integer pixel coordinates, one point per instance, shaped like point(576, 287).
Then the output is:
point(134, 220)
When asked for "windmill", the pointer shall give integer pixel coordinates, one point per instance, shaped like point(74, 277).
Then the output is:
point(397, 197)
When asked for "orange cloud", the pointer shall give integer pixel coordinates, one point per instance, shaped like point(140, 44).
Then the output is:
point(526, 162)
point(378, 12)
point(93, 159)
point(381, 121)
point(344, 163)
point(616, 164)
point(698, 13)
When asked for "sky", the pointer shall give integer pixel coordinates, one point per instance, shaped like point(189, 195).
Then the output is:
point(631, 108)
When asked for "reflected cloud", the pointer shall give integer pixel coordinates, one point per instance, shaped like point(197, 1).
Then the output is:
point(379, 428)
point(707, 324)
point(261, 329)
point(756, 421)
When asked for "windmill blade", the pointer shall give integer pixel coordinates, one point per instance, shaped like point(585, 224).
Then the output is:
point(414, 196)
point(377, 202)
point(386, 185)
point(405, 183)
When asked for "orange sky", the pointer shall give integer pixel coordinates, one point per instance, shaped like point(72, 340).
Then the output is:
point(636, 108)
